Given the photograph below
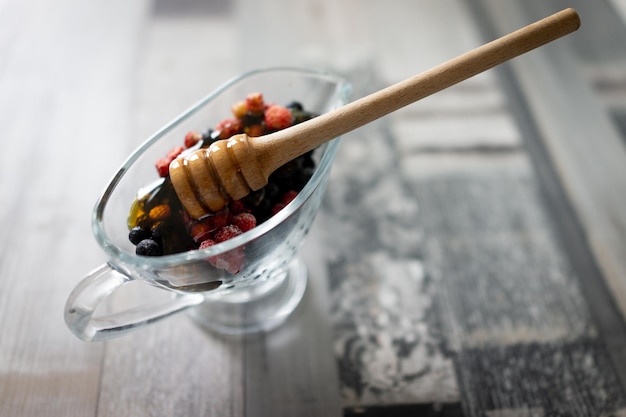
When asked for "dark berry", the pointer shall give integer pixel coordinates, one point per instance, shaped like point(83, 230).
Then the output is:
point(253, 199)
point(148, 247)
point(250, 119)
point(303, 177)
point(294, 105)
point(137, 234)
point(272, 190)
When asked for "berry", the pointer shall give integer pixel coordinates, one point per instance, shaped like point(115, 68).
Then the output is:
point(228, 128)
point(277, 207)
point(173, 153)
point(295, 105)
point(239, 109)
point(237, 206)
point(288, 197)
point(137, 234)
point(244, 221)
point(278, 117)
point(255, 103)
point(254, 130)
point(148, 247)
point(201, 230)
point(192, 138)
point(206, 244)
point(250, 119)
point(221, 218)
point(227, 232)
point(163, 167)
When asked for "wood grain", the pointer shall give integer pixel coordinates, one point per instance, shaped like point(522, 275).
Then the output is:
point(437, 270)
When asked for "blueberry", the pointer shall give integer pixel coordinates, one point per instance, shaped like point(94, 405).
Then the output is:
point(295, 105)
point(148, 247)
point(137, 234)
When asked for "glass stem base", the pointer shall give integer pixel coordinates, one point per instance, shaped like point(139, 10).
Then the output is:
point(261, 312)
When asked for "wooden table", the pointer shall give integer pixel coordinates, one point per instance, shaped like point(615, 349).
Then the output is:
point(476, 266)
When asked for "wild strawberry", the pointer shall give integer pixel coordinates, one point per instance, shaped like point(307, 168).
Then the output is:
point(278, 117)
point(244, 221)
point(226, 233)
point(163, 166)
point(192, 138)
point(255, 103)
point(237, 206)
point(201, 230)
point(221, 218)
point(228, 128)
point(288, 197)
point(277, 207)
point(174, 152)
point(207, 243)
point(239, 109)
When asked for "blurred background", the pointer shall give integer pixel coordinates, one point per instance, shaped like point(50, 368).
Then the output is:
point(82, 84)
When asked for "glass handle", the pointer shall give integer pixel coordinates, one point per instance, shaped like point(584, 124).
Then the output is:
point(95, 288)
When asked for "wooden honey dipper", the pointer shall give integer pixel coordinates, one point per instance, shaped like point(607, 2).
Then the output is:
point(207, 179)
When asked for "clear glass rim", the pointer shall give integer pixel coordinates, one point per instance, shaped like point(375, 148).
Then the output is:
point(117, 254)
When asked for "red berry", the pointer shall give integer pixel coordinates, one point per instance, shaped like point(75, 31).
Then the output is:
point(228, 128)
point(221, 218)
point(288, 197)
point(255, 103)
point(172, 154)
point(207, 244)
point(201, 230)
point(226, 233)
point(277, 207)
point(244, 221)
point(237, 206)
point(192, 138)
point(278, 117)
point(163, 166)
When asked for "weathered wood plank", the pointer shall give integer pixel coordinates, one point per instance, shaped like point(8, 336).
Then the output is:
point(56, 83)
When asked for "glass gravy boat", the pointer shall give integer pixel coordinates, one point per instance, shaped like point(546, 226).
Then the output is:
point(272, 281)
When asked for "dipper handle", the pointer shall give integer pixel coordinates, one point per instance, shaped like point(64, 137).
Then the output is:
point(229, 169)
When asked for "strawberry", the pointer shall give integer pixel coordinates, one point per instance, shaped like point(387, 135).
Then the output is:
point(207, 244)
point(244, 221)
point(278, 117)
point(163, 166)
point(228, 128)
point(255, 103)
point(172, 154)
point(277, 207)
point(288, 197)
point(227, 232)
point(192, 138)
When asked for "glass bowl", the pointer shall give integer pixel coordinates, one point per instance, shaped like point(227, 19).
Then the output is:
point(271, 281)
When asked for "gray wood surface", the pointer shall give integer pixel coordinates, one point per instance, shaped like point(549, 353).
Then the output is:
point(451, 271)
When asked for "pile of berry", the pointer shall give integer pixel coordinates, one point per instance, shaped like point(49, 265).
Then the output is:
point(159, 225)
